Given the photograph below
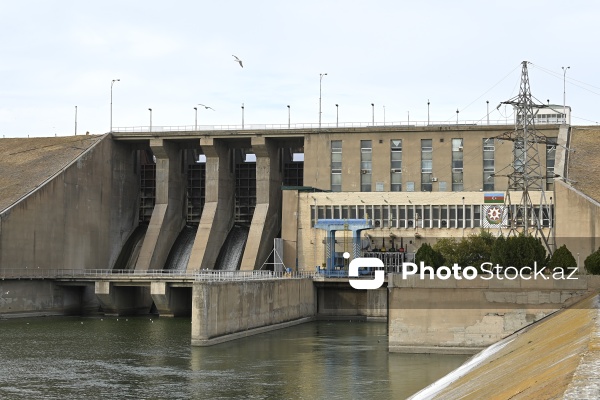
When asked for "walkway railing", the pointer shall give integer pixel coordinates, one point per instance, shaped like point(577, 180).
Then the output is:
point(107, 274)
point(308, 125)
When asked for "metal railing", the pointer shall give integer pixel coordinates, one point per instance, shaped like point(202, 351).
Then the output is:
point(392, 261)
point(107, 274)
point(307, 125)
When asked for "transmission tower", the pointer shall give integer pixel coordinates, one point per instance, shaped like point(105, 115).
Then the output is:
point(525, 218)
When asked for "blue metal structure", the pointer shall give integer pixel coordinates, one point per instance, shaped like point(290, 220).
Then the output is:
point(356, 226)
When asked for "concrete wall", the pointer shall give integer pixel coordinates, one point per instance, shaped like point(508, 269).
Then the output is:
point(80, 219)
point(19, 298)
point(342, 300)
point(220, 310)
point(464, 316)
point(289, 230)
point(553, 359)
point(577, 221)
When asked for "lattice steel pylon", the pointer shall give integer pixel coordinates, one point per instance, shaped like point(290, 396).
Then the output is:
point(525, 218)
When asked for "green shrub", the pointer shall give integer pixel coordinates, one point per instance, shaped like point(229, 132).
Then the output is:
point(562, 260)
point(592, 263)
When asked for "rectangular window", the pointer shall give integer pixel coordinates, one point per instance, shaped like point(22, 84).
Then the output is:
point(436, 217)
point(452, 216)
point(336, 165)
point(426, 217)
point(366, 159)
point(396, 165)
point(488, 164)
point(444, 217)
point(402, 219)
point(476, 216)
point(345, 214)
point(468, 223)
point(426, 164)
point(457, 165)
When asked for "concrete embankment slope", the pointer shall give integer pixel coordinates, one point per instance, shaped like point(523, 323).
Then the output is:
point(552, 359)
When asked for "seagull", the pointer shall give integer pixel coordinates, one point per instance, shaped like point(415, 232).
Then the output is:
point(207, 107)
point(238, 60)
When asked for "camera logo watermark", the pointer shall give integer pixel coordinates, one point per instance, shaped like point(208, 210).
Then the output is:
point(366, 262)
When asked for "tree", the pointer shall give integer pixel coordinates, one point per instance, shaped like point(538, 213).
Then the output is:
point(518, 252)
point(499, 250)
point(592, 263)
point(476, 249)
point(562, 260)
point(472, 250)
point(429, 256)
point(448, 249)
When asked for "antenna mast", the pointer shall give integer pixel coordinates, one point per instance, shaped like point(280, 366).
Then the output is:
point(525, 218)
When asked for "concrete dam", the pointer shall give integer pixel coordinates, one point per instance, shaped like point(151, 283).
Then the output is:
point(144, 225)
point(183, 223)
point(144, 204)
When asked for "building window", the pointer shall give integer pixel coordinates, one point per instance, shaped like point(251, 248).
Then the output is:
point(396, 165)
point(488, 164)
point(550, 158)
point(336, 165)
point(426, 164)
point(457, 165)
point(366, 158)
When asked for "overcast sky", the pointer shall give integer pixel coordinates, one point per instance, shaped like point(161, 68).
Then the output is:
point(171, 55)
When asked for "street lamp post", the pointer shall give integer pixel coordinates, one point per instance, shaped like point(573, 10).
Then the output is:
point(150, 119)
point(487, 102)
point(111, 90)
point(289, 116)
point(565, 93)
point(337, 115)
point(320, 80)
point(242, 115)
point(75, 120)
point(373, 114)
point(427, 111)
point(195, 118)
point(457, 116)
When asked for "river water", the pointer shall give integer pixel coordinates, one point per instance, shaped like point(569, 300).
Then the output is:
point(151, 358)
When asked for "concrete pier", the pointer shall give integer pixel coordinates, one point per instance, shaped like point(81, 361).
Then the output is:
point(217, 216)
point(171, 300)
point(266, 218)
point(223, 311)
point(465, 316)
point(168, 216)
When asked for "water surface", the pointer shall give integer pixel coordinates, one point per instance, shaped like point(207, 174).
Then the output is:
point(151, 358)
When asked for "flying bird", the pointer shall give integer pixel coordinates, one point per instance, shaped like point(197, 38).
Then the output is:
point(207, 107)
point(238, 60)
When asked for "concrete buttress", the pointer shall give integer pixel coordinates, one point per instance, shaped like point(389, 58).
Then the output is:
point(168, 215)
point(265, 221)
point(217, 215)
